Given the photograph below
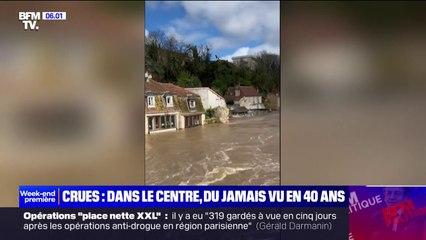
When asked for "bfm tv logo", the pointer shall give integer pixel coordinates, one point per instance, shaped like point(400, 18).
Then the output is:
point(29, 19)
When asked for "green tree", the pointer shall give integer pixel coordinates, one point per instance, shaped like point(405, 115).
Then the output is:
point(187, 80)
point(189, 65)
point(164, 58)
point(267, 73)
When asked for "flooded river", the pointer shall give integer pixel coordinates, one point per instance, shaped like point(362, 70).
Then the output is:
point(243, 152)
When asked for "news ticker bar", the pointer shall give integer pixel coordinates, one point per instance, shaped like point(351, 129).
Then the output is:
point(181, 196)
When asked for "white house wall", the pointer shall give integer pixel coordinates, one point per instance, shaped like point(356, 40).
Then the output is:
point(203, 119)
point(181, 121)
point(209, 98)
point(252, 103)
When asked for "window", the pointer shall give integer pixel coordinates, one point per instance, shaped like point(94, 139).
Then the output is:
point(192, 121)
point(197, 120)
point(151, 101)
point(172, 121)
point(169, 101)
point(161, 122)
point(191, 103)
point(150, 123)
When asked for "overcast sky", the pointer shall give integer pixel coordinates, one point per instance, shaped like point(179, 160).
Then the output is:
point(228, 28)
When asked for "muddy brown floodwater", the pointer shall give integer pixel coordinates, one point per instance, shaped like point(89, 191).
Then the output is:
point(243, 152)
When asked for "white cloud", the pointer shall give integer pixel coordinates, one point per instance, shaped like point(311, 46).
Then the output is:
point(194, 36)
point(171, 31)
point(217, 43)
point(188, 38)
point(243, 21)
point(265, 47)
point(240, 52)
point(243, 51)
point(238, 24)
point(146, 32)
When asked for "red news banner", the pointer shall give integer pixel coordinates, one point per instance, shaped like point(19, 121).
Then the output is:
point(387, 213)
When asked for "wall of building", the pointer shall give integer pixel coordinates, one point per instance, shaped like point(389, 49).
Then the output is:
point(203, 119)
point(209, 98)
point(252, 103)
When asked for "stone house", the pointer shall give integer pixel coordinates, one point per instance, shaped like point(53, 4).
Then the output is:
point(245, 96)
point(169, 107)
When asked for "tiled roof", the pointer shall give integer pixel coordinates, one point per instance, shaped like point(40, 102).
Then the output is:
point(180, 96)
point(205, 89)
point(245, 91)
point(160, 106)
point(160, 88)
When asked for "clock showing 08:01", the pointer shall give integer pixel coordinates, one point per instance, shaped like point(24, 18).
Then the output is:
point(54, 15)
